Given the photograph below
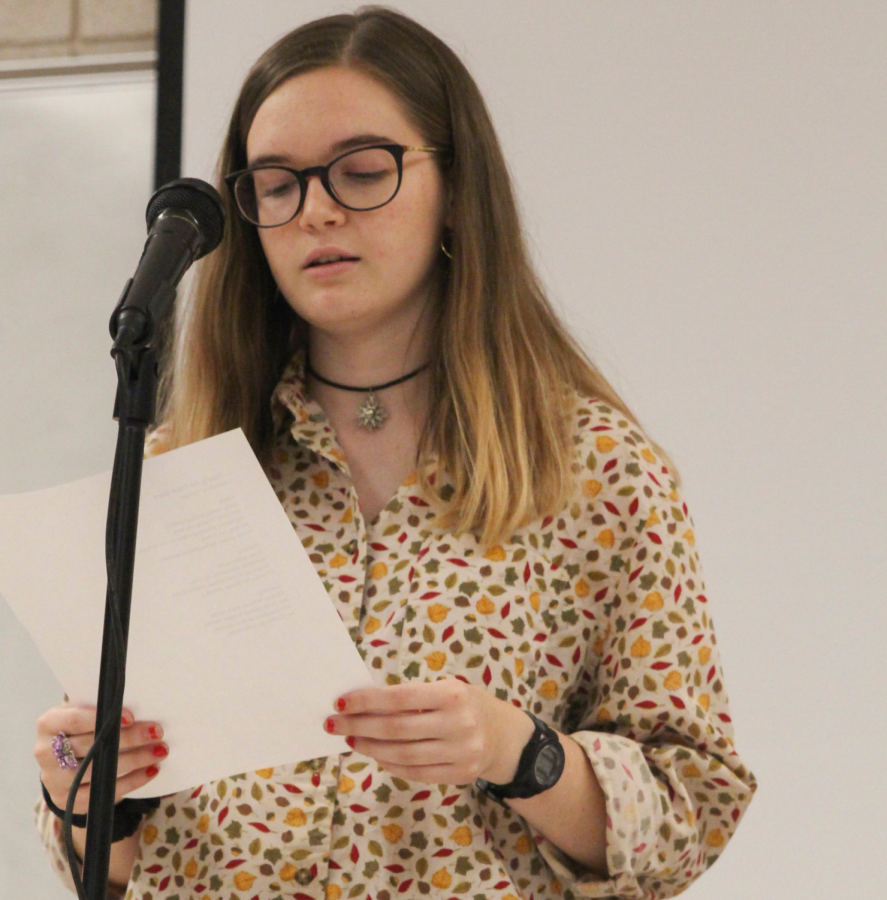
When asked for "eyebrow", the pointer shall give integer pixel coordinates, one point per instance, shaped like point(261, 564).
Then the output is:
point(359, 140)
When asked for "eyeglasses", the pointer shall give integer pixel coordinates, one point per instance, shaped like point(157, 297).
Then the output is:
point(362, 179)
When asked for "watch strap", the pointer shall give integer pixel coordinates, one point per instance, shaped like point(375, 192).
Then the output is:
point(525, 784)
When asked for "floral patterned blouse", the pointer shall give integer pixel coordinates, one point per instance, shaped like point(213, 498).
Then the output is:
point(596, 620)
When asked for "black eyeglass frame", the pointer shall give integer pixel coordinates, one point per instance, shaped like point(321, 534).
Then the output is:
point(323, 173)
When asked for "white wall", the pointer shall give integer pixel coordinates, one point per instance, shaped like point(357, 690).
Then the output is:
point(75, 176)
point(705, 187)
point(704, 184)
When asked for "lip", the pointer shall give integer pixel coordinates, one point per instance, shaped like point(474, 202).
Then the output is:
point(329, 251)
point(330, 270)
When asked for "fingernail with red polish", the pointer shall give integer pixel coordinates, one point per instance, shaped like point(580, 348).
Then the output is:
point(340, 704)
point(350, 741)
point(161, 751)
point(126, 719)
point(330, 726)
point(151, 771)
point(154, 733)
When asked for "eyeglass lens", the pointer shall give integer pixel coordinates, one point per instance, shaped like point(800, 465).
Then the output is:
point(360, 180)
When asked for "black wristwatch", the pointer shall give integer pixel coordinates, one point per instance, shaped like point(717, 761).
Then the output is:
point(541, 765)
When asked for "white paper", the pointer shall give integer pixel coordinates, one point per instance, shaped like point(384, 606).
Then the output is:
point(234, 645)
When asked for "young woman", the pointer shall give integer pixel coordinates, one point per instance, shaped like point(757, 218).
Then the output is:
point(491, 524)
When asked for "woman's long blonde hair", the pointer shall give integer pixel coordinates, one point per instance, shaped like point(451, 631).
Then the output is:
point(503, 367)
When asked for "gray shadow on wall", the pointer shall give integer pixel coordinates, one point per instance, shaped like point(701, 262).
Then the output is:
point(75, 176)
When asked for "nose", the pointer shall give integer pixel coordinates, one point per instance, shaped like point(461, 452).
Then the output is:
point(319, 209)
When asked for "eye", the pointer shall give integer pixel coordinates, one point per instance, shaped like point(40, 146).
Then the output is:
point(273, 184)
point(355, 173)
point(364, 167)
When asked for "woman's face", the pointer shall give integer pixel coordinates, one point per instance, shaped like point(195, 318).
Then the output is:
point(389, 274)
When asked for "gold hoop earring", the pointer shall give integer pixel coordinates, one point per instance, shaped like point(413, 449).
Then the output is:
point(443, 248)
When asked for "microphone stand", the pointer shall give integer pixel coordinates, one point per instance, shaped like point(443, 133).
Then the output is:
point(136, 361)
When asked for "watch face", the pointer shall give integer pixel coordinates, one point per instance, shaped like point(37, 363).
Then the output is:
point(546, 767)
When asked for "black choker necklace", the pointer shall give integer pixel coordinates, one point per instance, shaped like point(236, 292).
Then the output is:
point(370, 413)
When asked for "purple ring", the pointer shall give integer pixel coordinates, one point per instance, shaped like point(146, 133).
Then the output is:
point(64, 753)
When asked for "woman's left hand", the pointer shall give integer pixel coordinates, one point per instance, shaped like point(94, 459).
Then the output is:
point(443, 732)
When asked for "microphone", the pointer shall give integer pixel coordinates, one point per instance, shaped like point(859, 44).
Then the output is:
point(185, 222)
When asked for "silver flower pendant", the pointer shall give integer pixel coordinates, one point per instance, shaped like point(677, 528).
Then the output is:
point(371, 414)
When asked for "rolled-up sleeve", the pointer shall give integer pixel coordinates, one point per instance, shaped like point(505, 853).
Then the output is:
point(651, 710)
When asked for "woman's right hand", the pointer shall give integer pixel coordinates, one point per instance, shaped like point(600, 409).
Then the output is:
point(141, 750)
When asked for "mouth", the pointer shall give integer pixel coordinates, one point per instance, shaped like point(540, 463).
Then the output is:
point(329, 259)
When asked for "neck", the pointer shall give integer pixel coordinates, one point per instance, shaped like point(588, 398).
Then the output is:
point(368, 369)
point(369, 357)
point(365, 359)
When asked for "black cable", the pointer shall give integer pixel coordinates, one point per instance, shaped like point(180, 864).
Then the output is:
point(117, 644)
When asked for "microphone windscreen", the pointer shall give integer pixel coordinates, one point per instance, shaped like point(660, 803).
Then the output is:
point(196, 197)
